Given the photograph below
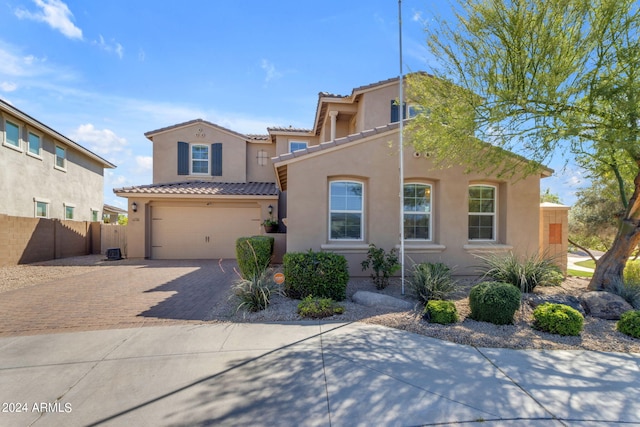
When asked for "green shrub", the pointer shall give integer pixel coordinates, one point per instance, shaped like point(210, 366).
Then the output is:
point(443, 312)
point(525, 275)
point(253, 255)
point(494, 302)
point(383, 265)
point(557, 319)
point(318, 308)
point(632, 273)
point(431, 281)
point(255, 294)
point(629, 291)
point(322, 274)
point(629, 324)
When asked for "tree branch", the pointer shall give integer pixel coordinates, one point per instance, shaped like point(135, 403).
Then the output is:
point(584, 249)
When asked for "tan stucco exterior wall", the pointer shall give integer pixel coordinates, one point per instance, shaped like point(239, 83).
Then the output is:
point(255, 171)
point(375, 107)
point(375, 164)
point(24, 177)
point(554, 233)
point(165, 153)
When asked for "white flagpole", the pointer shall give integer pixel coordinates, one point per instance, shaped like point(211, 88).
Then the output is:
point(401, 108)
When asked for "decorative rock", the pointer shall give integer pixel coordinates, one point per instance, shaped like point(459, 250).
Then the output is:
point(604, 305)
point(570, 300)
point(373, 299)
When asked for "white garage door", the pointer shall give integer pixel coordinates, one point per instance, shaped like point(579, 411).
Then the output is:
point(200, 232)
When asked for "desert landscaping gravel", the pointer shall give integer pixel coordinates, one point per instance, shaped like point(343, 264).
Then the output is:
point(598, 334)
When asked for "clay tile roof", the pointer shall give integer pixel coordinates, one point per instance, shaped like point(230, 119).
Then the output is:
point(204, 188)
point(287, 129)
point(255, 137)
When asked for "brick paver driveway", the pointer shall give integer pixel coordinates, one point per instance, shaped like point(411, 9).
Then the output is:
point(118, 294)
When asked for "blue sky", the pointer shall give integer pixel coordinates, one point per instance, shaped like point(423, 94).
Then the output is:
point(105, 72)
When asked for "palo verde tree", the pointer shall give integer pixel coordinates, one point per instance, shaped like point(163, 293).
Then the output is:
point(538, 78)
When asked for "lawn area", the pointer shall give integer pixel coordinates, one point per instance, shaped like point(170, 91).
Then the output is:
point(589, 263)
point(578, 273)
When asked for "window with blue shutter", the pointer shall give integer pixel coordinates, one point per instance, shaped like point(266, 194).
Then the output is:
point(216, 159)
point(183, 158)
point(395, 111)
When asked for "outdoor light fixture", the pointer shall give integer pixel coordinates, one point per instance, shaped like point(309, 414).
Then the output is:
point(134, 207)
point(270, 209)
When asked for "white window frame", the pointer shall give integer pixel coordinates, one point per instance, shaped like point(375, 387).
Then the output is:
point(191, 159)
point(47, 204)
point(350, 211)
point(493, 214)
point(429, 213)
point(37, 155)
point(73, 211)
point(64, 158)
point(293, 141)
point(5, 139)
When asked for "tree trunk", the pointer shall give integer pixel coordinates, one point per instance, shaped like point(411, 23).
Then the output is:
point(610, 267)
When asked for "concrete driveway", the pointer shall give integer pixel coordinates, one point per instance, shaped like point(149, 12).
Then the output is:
point(118, 294)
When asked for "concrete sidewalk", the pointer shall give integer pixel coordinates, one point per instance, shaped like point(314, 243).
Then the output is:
point(304, 373)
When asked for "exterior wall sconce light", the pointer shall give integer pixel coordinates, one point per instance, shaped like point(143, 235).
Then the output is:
point(134, 207)
point(270, 209)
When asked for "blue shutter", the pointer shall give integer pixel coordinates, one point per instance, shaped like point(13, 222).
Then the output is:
point(216, 159)
point(183, 158)
point(395, 116)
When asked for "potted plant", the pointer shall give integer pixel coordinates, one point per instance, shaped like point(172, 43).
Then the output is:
point(270, 225)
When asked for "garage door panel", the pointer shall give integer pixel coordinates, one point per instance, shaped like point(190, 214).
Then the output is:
point(200, 233)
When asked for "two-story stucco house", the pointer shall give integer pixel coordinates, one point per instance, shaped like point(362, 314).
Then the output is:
point(44, 174)
point(335, 186)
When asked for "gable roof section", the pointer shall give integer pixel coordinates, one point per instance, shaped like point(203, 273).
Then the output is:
point(10, 109)
point(280, 162)
point(202, 188)
point(153, 133)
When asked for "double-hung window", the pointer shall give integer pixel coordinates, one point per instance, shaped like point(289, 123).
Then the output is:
point(417, 211)
point(69, 211)
point(346, 210)
point(41, 208)
point(11, 134)
point(482, 212)
point(61, 158)
point(200, 159)
point(34, 144)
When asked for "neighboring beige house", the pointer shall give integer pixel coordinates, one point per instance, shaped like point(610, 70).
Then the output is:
point(335, 186)
point(110, 214)
point(44, 174)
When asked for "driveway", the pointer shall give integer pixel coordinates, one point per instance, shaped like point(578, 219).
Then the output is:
point(117, 294)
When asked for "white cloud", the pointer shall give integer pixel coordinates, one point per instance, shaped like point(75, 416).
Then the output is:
point(56, 14)
point(14, 64)
point(112, 47)
point(144, 163)
point(8, 86)
point(103, 142)
point(270, 70)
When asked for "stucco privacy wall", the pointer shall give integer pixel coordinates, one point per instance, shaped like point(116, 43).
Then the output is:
point(28, 240)
point(554, 233)
point(374, 162)
point(165, 153)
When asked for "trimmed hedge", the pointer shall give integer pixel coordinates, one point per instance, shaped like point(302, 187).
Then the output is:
point(558, 319)
point(629, 323)
point(438, 311)
point(253, 255)
point(494, 302)
point(319, 274)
